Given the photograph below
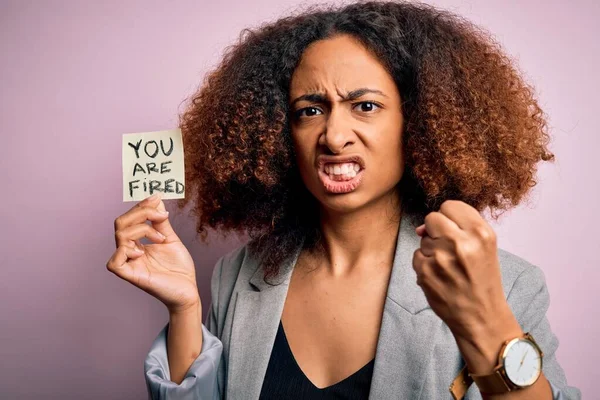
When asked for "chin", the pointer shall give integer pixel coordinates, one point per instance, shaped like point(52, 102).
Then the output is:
point(341, 204)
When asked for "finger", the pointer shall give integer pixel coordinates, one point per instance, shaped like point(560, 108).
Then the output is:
point(118, 265)
point(126, 236)
point(438, 225)
point(123, 220)
point(139, 244)
point(462, 214)
point(418, 260)
point(432, 262)
point(164, 226)
point(419, 264)
point(427, 274)
point(443, 266)
point(135, 252)
point(427, 245)
point(139, 215)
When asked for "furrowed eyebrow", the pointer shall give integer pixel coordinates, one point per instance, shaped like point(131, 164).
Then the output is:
point(322, 98)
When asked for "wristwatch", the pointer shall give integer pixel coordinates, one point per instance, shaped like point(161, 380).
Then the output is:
point(519, 366)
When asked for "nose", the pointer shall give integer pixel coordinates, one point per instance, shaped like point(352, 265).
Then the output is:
point(338, 131)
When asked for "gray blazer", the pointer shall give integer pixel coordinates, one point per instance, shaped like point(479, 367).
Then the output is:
point(416, 358)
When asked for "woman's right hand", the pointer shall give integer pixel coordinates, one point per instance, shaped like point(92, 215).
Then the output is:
point(164, 269)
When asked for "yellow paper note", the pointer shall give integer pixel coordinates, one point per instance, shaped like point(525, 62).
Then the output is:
point(153, 162)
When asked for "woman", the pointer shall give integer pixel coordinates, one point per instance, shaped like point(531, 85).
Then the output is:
point(357, 147)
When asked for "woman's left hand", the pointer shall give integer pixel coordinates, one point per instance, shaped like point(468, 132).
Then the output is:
point(458, 269)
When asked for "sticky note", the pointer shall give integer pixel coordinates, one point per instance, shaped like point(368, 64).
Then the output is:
point(153, 162)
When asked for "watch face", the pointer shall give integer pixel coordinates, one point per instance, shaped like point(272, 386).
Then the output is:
point(522, 363)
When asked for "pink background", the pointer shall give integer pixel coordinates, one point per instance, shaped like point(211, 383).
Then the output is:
point(76, 75)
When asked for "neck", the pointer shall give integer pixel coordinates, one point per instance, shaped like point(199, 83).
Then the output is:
point(360, 239)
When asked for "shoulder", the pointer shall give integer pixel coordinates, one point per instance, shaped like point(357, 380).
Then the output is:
point(231, 262)
point(524, 284)
point(515, 268)
point(233, 269)
point(229, 266)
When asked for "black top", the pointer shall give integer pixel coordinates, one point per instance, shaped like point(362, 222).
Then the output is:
point(285, 380)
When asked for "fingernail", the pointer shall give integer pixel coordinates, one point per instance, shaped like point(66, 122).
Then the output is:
point(137, 250)
point(161, 212)
point(161, 235)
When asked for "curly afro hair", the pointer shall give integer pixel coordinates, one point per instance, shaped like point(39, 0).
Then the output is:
point(473, 128)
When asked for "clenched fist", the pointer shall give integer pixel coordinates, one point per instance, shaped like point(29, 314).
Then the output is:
point(458, 269)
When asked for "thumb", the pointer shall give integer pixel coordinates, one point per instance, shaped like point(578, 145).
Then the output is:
point(164, 226)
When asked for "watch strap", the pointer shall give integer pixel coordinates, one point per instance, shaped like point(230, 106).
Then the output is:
point(493, 383)
point(459, 386)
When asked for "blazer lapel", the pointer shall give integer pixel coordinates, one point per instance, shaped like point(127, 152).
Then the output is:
point(409, 327)
point(254, 327)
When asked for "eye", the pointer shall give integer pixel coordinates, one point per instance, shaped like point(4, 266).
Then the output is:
point(370, 105)
point(310, 112)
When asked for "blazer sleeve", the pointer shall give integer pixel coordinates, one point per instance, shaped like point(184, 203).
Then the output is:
point(200, 381)
point(529, 300)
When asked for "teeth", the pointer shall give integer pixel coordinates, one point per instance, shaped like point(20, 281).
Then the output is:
point(348, 169)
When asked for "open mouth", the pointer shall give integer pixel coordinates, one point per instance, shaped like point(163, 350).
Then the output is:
point(340, 177)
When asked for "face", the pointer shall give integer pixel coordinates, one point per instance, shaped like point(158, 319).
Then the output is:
point(346, 122)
